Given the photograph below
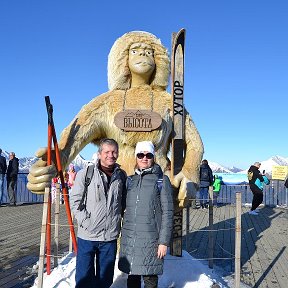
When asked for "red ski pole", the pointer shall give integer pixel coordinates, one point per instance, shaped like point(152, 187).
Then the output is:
point(48, 227)
point(60, 172)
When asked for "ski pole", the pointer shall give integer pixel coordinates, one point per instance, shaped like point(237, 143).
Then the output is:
point(48, 226)
point(60, 173)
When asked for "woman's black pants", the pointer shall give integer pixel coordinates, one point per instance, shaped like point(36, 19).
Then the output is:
point(150, 281)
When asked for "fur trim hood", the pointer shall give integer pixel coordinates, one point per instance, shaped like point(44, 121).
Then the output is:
point(119, 76)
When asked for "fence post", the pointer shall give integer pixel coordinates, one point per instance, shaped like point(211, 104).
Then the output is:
point(56, 228)
point(43, 238)
point(187, 225)
point(210, 233)
point(238, 240)
point(70, 238)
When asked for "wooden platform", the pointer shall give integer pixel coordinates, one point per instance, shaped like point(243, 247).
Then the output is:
point(19, 243)
point(264, 255)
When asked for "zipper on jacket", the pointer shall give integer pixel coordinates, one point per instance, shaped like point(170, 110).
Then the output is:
point(135, 212)
point(106, 202)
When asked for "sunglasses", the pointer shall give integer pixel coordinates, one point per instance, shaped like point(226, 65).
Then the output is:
point(142, 155)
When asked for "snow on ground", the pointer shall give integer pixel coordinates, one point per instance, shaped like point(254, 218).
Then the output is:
point(179, 272)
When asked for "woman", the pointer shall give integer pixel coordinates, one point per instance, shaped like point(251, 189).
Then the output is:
point(148, 220)
point(71, 176)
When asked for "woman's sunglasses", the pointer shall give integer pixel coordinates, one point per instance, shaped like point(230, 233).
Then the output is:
point(142, 155)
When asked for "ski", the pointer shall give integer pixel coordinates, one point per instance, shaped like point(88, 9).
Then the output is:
point(178, 140)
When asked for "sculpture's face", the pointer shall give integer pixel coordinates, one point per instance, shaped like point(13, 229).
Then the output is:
point(108, 155)
point(141, 59)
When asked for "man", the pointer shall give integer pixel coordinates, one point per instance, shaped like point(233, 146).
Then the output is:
point(256, 180)
point(206, 180)
point(12, 174)
point(286, 183)
point(3, 168)
point(99, 219)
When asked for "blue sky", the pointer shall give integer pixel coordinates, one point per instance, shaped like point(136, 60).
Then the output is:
point(236, 68)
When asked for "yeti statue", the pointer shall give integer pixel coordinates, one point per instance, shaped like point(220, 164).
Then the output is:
point(138, 75)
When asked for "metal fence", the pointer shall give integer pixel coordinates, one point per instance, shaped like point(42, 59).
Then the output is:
point(23, 195)
point(275, 194)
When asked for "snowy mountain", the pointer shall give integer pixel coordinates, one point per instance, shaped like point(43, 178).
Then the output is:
point(26, 162)
point(217, 168)
point(79, 162)
point(234, 169)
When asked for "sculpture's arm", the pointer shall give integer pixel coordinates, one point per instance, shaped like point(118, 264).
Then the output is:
point(194, 151)
point(192, 161)
point(86, 127)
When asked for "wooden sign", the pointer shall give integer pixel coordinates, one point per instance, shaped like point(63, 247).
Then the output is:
point(279, 172)
point(138, 120)
point(176, 243)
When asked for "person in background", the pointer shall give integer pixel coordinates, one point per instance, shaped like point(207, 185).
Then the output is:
point(54, 181)
point(3, 168)
point(65, 177)
point(206, 180)
point(286, 183)
point(71, 176)
point(12, 175)
point(256, 181)
point(148, 220)
point(99, 219)
point(216, 189)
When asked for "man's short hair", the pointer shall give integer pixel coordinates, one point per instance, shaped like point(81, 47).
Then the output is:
point(257, 164)
point(107, 141)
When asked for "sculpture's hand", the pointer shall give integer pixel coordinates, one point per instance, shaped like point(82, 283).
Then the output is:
point(40, 174)
point(186, 188)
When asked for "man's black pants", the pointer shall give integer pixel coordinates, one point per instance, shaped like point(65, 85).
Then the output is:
point(11, 187)
point(257, 197)
point(150, 281)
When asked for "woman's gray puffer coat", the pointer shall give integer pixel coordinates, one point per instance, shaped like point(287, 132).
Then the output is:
point(148, 222)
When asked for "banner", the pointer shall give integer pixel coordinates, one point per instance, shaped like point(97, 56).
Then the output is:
point(232, 178)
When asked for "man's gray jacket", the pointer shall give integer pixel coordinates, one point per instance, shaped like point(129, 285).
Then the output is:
point(101, 219)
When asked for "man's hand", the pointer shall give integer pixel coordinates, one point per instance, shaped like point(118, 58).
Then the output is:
point(40, 174)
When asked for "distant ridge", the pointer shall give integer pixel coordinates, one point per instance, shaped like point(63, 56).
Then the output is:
point(26, 162)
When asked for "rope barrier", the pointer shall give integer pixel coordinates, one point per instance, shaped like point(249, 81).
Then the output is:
point(60, 256)
point(61, 225)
